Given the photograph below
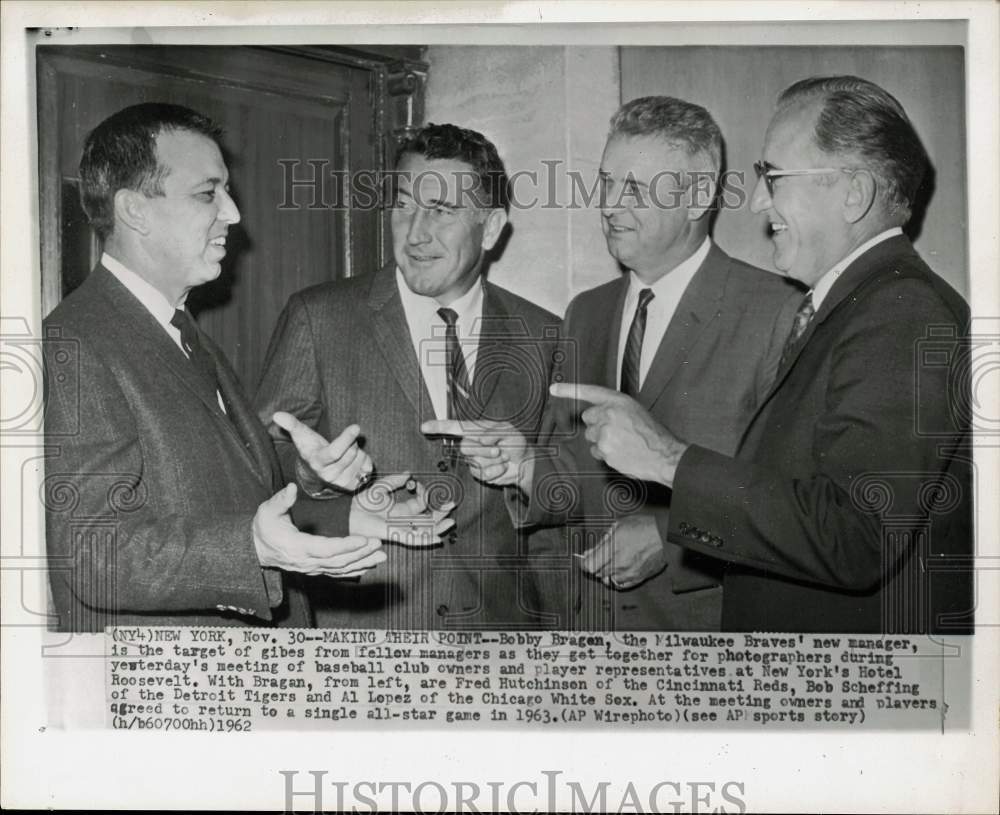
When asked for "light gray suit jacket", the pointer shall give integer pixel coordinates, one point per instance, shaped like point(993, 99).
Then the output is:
point(713, 365)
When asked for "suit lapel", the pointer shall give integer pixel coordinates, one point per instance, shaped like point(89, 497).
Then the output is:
point(142, 327)
point(849, 280)
point(242, 422)
point(392, 335)
point(611, 340)
point(698, 306)
point(492, 354)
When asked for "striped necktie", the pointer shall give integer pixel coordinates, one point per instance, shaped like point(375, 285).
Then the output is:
point(632, 360)
point(799, 326)
point(458, 377)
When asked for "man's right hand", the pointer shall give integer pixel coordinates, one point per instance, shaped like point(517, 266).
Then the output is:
point(339, 463)
point(497, 452)
point(280, 545)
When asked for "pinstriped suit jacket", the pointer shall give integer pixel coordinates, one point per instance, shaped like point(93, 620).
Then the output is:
point(342, 354)
point(151, 489)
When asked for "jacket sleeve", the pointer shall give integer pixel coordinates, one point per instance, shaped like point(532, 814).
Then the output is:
point(826, 525)
point(291, 382)
point(113, 542)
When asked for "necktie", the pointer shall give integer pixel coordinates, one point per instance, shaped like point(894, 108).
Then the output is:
point(633, 346)
point(458, 377)
point(799, 326)
point(198, 356)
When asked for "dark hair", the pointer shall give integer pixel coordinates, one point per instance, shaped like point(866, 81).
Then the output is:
point(683, 125)
point(861, 119)
point(447, 141)
point(120, 154)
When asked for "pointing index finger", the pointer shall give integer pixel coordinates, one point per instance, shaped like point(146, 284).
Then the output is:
point(595, 394)
point(443, 427)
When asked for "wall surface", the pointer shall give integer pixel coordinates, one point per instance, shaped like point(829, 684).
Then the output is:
point(546, 108)
point(550, 104)
point(739, 85)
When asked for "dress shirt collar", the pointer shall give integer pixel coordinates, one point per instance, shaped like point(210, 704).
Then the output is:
point(670, 286)
point(422, 312)
point(151, 298)
point(822, 288)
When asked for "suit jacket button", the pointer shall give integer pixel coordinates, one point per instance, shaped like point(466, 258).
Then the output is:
point(442, 465)
point(705, 537)
point(442, 610)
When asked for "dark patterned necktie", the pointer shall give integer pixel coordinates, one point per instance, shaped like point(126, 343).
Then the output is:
point(195, 351)
point(632, 360)
point(458, 377)
point(799, 326)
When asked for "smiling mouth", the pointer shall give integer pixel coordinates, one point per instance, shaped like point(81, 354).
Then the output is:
point(422, 258)
point(777, 229)
point(614, 229)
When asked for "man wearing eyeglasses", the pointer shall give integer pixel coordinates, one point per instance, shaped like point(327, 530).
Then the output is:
point(847, 506)
point(693, 334)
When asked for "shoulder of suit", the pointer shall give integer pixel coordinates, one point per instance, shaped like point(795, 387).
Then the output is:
point(598, 296)
point(335, 292)
point(744, 277)
point(82, 311)
point(516, 304)
point(908, 272)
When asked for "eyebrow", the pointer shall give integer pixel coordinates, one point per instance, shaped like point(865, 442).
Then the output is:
point(630, 177)
point(213, 180)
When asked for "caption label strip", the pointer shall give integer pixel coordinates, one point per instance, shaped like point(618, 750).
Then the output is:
point(241, 680)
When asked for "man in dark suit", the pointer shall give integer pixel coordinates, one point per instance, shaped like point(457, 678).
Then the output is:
point(848, 504)
point(161, 502)
point(423, 338)
point(691, 333)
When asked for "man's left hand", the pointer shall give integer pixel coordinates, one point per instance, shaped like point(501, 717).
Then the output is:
point(630, 553)
point(623, 434)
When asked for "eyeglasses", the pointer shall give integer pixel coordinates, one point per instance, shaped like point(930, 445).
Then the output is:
point(769, 172)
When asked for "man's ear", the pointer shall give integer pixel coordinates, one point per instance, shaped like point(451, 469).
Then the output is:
point(131, 210)
point(496, 220)
point(861, 192)
point(701, 192)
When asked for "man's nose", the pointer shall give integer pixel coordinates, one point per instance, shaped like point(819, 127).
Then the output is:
point(419, 231)
point(760, 198)
point(228, 211)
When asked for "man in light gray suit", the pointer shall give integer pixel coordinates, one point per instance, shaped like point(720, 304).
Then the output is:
point(693, 334)
point(162, 492)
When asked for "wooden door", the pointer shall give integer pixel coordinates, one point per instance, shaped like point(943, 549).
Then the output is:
point(287, 116)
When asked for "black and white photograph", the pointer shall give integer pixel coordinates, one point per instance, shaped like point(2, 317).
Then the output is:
point(523, 407)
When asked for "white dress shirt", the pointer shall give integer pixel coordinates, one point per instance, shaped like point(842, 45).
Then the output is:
point(667, 293)
point(427, 331)
point(825, 283)
point(152, 299)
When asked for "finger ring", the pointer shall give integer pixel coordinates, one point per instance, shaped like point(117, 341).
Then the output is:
point(363, 477)
point(616, 584)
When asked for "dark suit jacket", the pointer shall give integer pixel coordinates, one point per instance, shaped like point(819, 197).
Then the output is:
point(150, 490)
point(714, 364)
point(846, 494)
point(342, 354)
